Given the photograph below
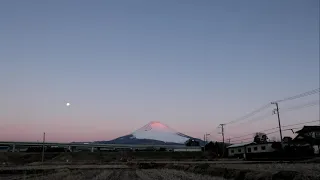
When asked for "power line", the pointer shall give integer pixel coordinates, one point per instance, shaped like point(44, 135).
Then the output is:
point(301, 123)
point(299, 95)
point(277, 109)
point(285, 130)
point(255, 119)
point(284, 110)
point(266, 130)
point(253, 133)
point(260, 117)
point(282, 130)
point(250, 114)
point(241, 140)
point(310, 104)
point(266, 134)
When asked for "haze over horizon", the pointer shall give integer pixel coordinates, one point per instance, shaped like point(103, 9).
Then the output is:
point(121, 64)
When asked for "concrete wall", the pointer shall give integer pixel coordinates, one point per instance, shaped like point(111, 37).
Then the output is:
point(236, 151)
point(259, 148)
point(187, 150)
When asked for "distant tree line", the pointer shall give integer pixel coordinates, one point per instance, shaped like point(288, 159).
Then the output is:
point(217, 148)
point(192, 142)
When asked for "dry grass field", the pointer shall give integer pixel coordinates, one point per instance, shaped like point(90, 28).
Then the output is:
point(113, 174)
point(153, 166)
point(155, 171)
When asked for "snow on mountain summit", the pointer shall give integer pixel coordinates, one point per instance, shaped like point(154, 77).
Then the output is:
point(158, 131)
point(154, 133)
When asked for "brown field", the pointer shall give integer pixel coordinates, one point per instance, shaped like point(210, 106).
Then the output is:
point(97, 158)
point(162, 171)
point(113, 174)
point(148, 166)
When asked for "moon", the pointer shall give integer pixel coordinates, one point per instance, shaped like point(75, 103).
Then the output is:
point(68, 104)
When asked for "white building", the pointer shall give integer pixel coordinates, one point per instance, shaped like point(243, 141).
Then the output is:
point(187, 150)
point(237, 150)
point(240, 150)
point(259, 148)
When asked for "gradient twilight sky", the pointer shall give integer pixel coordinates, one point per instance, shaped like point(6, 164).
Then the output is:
point(121, 64)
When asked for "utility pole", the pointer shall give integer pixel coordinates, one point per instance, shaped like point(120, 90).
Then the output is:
point(44, 138)
point(204, 140)
point(207, 137)
point(277, 111)
point(222, 133)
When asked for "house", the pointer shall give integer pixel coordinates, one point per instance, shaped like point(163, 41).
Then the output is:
point(238, 150)
point(308, 135)
point(253, 150)
point(262, 151)
point(260, 148)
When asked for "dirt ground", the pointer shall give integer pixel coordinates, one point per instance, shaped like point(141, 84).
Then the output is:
point(159, 171)
point(115, 174)
point(153, 166)
point(10, 158)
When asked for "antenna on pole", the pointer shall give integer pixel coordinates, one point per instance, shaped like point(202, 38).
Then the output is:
point(205, 139)
point(222, 133)
point(276, 111)
point(44, 138)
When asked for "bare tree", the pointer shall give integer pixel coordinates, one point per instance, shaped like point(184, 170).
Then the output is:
point(260, 137)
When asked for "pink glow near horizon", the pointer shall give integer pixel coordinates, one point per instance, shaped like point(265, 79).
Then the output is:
point(71, 128)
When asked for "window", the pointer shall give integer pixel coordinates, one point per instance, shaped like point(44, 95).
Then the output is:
point(263, 148)
point(255, 148)
point(232, 151)
point(249, 149)
point(239, 150)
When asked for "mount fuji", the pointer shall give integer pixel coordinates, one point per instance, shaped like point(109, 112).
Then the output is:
point(152, 133)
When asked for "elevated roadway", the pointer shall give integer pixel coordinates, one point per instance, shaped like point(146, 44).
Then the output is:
point(15, 144)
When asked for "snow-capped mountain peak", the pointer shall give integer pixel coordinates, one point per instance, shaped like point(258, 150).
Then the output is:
point(156, 126)
point(157, 131)
point(152, 133)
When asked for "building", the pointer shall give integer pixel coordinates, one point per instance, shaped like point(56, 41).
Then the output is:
point(238, 150)
point(308, 135)
point(252, 150)
point(260, 148)
point(187, 150)
point(304, 145)
point(261, 151)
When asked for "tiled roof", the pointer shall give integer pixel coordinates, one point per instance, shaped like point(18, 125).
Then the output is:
point(239, 145)
point(309, 129)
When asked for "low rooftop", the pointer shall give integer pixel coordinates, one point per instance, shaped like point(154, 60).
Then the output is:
point(307, 129)
point(240, 144)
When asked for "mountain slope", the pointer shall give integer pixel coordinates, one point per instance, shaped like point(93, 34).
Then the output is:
point(152, 133)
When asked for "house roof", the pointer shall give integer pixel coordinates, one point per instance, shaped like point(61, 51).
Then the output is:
point(307, 129)
point(240, 145)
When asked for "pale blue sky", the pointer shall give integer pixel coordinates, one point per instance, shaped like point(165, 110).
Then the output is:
point(189, 64)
